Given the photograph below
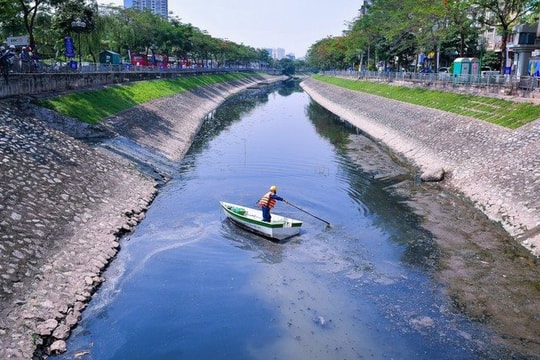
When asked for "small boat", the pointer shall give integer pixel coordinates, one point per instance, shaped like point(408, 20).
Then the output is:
point(280, 227)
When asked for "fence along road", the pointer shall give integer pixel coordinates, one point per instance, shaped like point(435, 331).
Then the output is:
point(487, 83)
point(92, 76)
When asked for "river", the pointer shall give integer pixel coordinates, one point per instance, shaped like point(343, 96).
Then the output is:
point(188, 284)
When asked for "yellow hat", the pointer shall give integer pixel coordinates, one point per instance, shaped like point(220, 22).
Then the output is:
point(273, 188)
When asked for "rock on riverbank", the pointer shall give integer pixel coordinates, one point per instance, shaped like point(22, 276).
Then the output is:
point(497, 168)
point(64, 206)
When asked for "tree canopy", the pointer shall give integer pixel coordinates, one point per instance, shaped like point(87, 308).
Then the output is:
point(398, 34)
point(392, 34)
point(125, 31)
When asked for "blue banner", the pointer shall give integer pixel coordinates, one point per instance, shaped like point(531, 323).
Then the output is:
point(70, 48)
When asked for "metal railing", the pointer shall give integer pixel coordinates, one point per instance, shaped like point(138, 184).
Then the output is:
point(489, 84)
point(26, 67)
point(59, 79)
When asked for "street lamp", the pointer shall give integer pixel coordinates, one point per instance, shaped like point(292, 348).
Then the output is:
point(482, 47)
point(153, 49)
point(78, 26)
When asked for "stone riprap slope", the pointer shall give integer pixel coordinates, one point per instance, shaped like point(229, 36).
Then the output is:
point(64, 206)
point(155, 124)
point(495, 167)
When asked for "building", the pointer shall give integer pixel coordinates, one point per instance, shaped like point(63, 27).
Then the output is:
point(277, 54)
point(159, 7)
point(364, 7)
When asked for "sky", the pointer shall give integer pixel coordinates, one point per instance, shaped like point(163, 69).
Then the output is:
point(293, 25)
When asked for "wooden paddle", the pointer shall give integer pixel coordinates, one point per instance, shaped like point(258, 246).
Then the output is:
point(307, 212)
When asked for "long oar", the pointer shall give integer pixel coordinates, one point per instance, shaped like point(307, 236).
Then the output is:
point(307, 212)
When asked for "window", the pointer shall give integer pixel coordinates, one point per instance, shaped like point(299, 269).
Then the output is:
point(526, 38)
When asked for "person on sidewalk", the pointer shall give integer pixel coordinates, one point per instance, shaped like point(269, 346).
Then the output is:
point(268, 201)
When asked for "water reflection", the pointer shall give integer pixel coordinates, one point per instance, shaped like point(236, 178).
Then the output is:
point(264, 250)
point(374, 195)
point(325, 125)
point(232, 111)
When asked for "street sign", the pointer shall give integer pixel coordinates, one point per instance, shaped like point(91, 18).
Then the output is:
point(18, 40)
point(70, 48)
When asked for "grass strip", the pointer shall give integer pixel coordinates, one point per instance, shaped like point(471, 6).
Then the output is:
point(502, 112)
point(94, 105)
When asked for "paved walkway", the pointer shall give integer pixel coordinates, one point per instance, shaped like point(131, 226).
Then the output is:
point(495, 167)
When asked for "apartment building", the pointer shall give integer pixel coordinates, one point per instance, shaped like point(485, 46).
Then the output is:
point(160, 7)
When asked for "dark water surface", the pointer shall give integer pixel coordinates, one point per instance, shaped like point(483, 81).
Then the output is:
point(188, 284)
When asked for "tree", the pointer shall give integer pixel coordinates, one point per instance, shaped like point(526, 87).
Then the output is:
point(288, 66)
point(328, 53)
point(462, 30)
point(176, 38)
point(492, 59)
point(396, 31)
point(68, 11)
point(504, 14)
point(29, 10)
point(10, 21)
point(263, 58)
point(365, 37)
point(47, 22)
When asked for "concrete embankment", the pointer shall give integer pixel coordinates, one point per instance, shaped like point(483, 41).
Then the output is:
point(64, 205)
point(498, 169)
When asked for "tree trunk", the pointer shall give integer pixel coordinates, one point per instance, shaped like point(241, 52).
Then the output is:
point(504, 44)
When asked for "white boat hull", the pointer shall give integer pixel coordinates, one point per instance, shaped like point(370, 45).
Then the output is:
point(280, 227)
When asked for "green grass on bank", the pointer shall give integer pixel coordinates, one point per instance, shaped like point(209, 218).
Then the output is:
point(95, 105)
point(497, 111)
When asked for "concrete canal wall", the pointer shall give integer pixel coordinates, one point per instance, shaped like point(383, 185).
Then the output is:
point(498, 169)
point(64, 205)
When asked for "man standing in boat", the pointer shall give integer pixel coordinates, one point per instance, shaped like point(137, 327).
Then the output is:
point(268, 201)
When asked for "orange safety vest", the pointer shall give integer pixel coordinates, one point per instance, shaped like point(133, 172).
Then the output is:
point(267, 201)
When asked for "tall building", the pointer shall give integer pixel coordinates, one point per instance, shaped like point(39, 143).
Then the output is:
point(160, 7)
point(364, 8)
point(278, 54)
